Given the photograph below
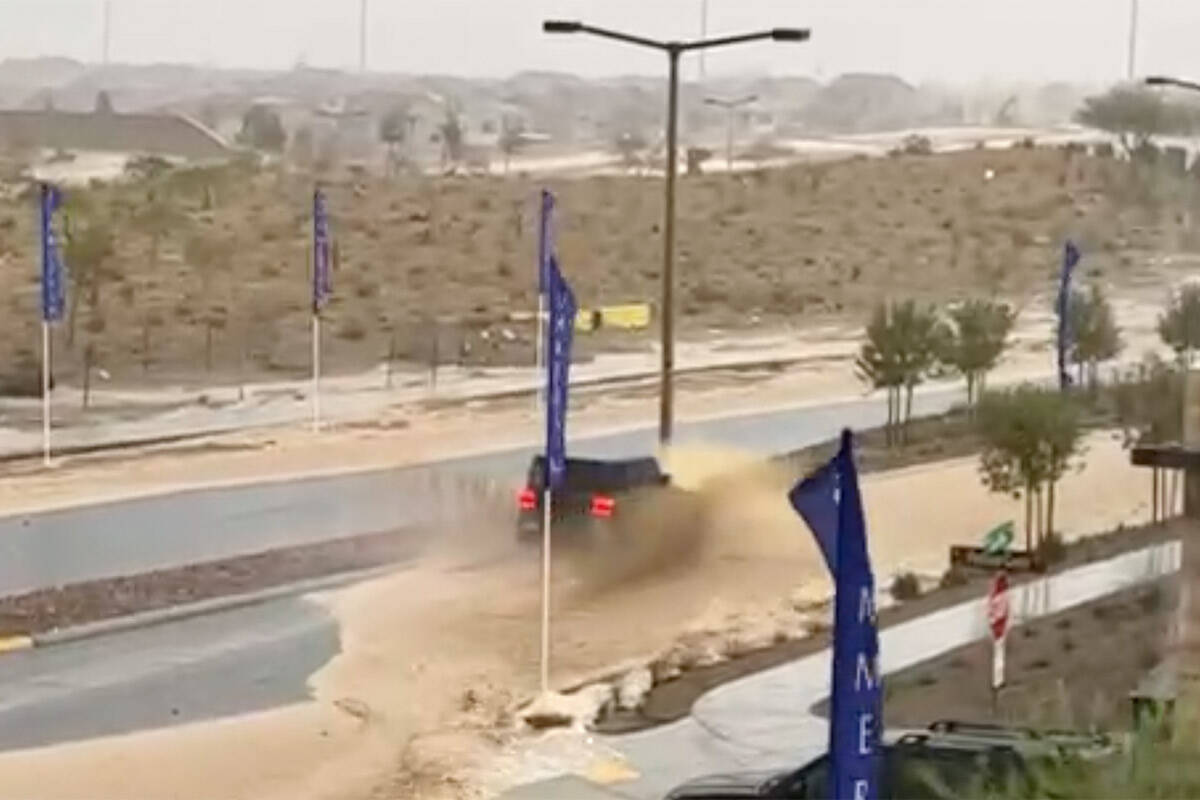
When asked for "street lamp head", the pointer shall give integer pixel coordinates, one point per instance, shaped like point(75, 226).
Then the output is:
point(1158, 80)
point(791, 34)
point(562, 26)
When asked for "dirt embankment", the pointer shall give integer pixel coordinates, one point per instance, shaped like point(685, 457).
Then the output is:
point(819, 240)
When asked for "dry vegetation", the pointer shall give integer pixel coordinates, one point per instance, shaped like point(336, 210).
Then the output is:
point(759, 248)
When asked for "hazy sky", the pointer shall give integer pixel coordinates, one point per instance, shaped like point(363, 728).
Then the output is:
point(950, 40)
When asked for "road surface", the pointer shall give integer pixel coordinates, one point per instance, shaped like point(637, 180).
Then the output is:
point(171, 530)
point(260, 657)
point(232, 662)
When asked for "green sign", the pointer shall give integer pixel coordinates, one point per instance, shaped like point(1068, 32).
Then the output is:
point(998, 539)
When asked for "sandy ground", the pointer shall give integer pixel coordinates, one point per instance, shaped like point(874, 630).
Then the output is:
point(435, 657)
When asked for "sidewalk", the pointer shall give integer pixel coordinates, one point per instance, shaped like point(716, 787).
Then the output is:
point(180, 414)
point(764, 721)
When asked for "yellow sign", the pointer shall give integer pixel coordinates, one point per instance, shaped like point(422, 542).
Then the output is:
point(633, 316)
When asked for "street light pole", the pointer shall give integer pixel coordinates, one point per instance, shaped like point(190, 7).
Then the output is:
point(730, 106)
point(666, 407)
point(674, 50)
point(1179, 83)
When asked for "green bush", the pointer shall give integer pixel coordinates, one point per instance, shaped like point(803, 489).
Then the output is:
point(1052, 548)
point(955, 576)
point(905, 586)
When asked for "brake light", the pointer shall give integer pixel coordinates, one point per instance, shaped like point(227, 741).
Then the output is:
point(603, 506)
point(527, 499)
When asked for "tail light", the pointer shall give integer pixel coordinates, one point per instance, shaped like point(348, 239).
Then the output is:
point(603, 506)
point(527, 499)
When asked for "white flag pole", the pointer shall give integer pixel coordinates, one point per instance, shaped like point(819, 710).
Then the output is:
point(316, 372)
point(45, 392)
point(546, 504)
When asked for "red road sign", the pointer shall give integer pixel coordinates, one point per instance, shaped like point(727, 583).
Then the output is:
point(997, 606)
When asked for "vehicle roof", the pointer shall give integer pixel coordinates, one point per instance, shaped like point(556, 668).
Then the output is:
point(584, 474)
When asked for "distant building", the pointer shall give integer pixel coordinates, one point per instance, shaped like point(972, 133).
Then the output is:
point(167, 135)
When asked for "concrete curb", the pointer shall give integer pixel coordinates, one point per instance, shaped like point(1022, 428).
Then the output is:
point(597, 382)
point(161, 616)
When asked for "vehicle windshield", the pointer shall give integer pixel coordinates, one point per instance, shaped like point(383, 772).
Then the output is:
point(464, 399)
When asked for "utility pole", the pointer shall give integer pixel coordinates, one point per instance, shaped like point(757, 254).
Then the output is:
point(703, 35)
point(362, 38)
point(1133, 38)
point(107, 30)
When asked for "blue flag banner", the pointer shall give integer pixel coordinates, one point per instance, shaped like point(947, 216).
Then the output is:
point(830, 503)
point(545, 241)
point(816, 499)
point(54, 290)
point(1065, 334)
point(558, 368)
point(322, 286)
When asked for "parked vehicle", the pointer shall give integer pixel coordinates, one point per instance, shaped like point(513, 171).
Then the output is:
point(949, 759)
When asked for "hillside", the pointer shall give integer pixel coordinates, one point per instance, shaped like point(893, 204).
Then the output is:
point(216, 270)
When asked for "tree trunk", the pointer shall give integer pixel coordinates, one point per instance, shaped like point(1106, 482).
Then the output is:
point(208, 344)
point(72, 314)
point(970, 390)
point(1028, 518)
point(890, 429)
point(391, 357)
point(145, 347)
point(88, 354)
point(1041, 533)
point(908, 411)
point(1050, 487)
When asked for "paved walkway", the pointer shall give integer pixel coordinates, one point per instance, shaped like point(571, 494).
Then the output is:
point(764, 721)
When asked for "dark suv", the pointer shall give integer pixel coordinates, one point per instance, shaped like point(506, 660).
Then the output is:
point(949, 760)
point(592, 490)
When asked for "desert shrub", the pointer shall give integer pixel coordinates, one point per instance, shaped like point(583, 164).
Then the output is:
point(955, 576)
point(22, 377)
point(1052, 548)
point(905, 586)
point(352, 331)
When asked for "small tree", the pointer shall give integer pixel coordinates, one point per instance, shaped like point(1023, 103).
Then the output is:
point(918, 334)
point(1095, 335)
point(394, 132)
point(1134, 114)
point(1179, 324)
point(630, 146)
point(209, 254)
point(1031, 437)
point(900, 349)
point(158, 218)
point(1148, 402)
point(512, 139)
point(453, 138)
point(88, 254)
point(303, 148)
point(262, 129)
point(972, 339)
point(879, 365)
